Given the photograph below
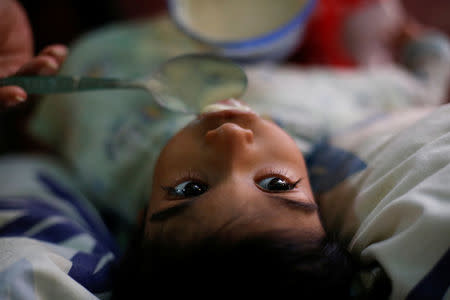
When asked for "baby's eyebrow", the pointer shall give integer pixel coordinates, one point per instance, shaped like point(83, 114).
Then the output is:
point(179, 209)
point(167, 213)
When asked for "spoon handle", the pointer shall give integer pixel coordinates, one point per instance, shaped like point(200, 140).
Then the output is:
point(65, 84)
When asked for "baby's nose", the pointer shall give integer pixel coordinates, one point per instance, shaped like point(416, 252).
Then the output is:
point(229, 136)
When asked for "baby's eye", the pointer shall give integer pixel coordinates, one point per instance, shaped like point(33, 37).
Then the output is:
point(188, 189)
point(276, 184)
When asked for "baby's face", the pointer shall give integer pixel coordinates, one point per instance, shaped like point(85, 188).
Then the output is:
point(232, 172)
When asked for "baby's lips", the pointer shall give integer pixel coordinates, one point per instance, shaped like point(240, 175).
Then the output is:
point(226, 104)
point(231, 102)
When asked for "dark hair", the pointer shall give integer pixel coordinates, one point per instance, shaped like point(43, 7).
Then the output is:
point(275, 263)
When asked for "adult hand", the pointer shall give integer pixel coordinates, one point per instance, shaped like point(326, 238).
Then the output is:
point(16, 52)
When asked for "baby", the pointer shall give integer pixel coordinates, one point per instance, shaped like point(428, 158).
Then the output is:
point(231, 206)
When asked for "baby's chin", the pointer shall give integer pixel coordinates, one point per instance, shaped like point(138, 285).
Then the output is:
point(227, 104)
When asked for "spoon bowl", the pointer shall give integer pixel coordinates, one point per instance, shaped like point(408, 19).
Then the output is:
point(189, 83)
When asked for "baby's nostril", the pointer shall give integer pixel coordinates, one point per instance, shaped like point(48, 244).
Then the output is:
point(229, 132)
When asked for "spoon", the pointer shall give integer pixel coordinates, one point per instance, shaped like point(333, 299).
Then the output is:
point(185, 83)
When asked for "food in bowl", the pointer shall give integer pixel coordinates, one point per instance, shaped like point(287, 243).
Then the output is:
point(246, 29)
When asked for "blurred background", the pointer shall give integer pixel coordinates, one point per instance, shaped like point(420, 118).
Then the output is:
point(63, 21)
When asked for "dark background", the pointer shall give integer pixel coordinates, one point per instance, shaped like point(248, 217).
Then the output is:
point(62, 21)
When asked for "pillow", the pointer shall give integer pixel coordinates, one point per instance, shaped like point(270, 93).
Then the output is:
point(389, 197)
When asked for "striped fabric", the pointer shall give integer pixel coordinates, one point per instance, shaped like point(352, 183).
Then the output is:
point(55, 243)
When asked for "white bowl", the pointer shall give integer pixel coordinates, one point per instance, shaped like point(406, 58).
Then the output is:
point(245, 30)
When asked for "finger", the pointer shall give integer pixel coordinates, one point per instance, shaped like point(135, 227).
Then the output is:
point(58, 52)
point(40, 65)
point(11, 95)
point(48, 62)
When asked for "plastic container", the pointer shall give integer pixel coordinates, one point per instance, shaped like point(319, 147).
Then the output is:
point(245, 30)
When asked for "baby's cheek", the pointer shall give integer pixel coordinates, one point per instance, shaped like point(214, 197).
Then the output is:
point(153, 230)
